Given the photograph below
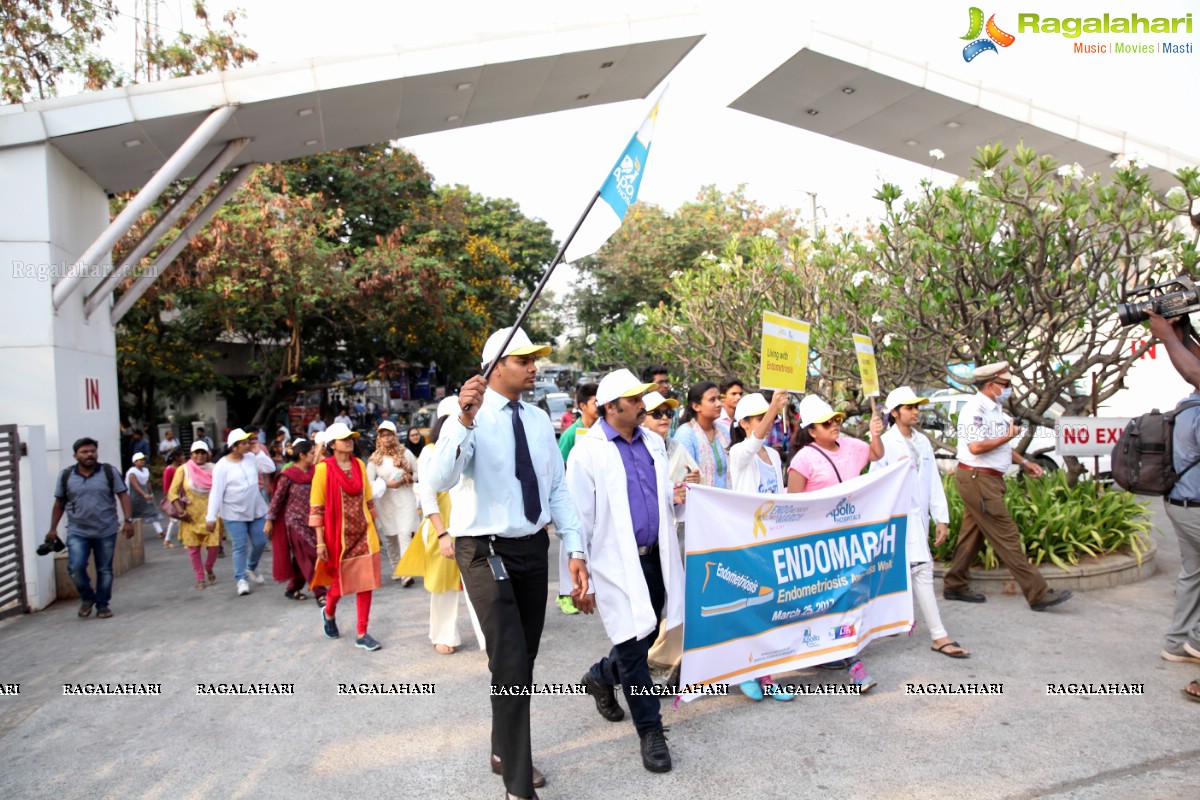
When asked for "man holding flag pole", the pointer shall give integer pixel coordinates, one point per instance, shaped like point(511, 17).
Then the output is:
point(500, 459)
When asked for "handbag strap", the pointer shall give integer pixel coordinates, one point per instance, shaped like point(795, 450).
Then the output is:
point(830, 460)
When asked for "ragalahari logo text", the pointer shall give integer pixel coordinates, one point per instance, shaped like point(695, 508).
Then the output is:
point(988, 43)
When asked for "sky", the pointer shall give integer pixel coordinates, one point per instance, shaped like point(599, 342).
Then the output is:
point(551, 164)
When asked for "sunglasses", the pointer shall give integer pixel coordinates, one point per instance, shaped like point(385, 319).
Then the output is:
point(659, 414)
point(829, 423)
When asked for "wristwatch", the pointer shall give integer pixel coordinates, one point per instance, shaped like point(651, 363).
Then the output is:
point(582, 556)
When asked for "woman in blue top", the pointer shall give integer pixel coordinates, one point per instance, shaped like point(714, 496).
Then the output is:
point(699, 436)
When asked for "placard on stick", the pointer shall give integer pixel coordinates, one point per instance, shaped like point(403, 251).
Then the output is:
point(866, 364)
point(784, 362)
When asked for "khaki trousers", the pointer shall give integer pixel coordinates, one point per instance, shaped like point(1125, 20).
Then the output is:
point(986, 517)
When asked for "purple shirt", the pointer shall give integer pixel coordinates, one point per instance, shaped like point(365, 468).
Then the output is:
point(641, 483)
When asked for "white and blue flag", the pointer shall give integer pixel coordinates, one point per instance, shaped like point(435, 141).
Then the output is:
point(619, 192)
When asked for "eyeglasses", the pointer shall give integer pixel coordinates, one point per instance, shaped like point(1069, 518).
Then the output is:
point(829, 423)
point(659, 413)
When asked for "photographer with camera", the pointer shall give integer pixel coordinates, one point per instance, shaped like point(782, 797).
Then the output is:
point(86, 492)
point(1182, 504)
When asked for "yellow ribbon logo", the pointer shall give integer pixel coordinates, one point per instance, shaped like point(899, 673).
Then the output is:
point(760, 527)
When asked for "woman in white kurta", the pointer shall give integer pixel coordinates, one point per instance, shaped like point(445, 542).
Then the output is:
point(756, 469)
point(398, 515)
point(903, 441)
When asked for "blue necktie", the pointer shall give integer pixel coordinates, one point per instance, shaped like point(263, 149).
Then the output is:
point(525, 474)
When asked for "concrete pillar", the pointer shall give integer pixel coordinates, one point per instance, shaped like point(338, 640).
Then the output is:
point(59, 368)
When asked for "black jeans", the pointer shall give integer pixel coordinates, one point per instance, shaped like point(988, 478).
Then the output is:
point(511, 614)
point(626, 663)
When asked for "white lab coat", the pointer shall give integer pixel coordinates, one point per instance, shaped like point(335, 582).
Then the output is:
point(929, 497)
point(596, 481)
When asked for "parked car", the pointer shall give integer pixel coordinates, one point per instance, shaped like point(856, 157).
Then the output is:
point(555, 404)
point(540, 389)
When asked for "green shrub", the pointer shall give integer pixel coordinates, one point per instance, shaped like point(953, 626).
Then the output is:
point(1060, 523)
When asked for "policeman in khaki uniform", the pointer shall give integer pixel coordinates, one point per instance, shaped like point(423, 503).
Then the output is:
point(985, 451)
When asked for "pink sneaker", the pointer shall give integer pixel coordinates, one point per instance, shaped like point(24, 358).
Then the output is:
point(862, 680)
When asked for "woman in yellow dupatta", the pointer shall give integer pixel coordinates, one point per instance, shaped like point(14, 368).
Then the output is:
point(431, 554)
point(342, 515)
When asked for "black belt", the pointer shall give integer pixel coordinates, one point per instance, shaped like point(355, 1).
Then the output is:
point(1183, 503)
point(648, 550)
point(491, 537)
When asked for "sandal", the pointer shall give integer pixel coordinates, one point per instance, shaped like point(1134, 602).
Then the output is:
point(212, 578)
point(103, 613)
point(321, 601)
point(168, 545)
point(85, 609)
point(295, 594)
point(199, 585)
point(444, 649)
point(1194, 694)
point(942, 650)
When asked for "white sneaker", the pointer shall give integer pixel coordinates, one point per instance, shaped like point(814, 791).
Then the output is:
point(255, 576)
point(243, 587)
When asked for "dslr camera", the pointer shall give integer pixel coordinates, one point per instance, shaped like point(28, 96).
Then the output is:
point(56, 545)
point(1168, 299)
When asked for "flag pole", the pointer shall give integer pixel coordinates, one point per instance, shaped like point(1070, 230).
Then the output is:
point(537, 291)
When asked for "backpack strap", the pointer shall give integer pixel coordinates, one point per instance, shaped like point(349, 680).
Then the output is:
point(63, 477)
point(830, 460)
point(1184, 406)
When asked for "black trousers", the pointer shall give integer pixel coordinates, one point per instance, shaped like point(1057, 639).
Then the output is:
point(512, 614)
point(626, 663)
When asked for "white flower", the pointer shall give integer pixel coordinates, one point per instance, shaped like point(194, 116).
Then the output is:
point(725, 265)
point(639, 318)
point(888, 339)
point(936, 154)
point(860, 276)
point(876, 319)
point(1124, 161)
point(1161, 255)
point(708, 255)
point(1176, 193)
point(989, 173)
point(675, 274)
point(676, 329)
point(971, 187)
point(1073, 171)
point(590, 339)
point(768, 233)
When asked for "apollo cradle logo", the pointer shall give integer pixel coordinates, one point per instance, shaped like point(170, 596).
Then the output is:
point(995, 36)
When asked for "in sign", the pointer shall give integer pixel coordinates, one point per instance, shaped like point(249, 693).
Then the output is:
point(91, 394)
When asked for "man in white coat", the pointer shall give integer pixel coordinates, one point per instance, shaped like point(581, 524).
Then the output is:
point(617, 476)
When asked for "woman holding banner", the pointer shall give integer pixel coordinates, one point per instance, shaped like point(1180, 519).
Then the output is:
point(824, 458)
point(901, 442)
point(756, 469)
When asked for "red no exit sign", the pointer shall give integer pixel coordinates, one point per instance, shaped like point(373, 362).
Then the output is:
point(1089, 436)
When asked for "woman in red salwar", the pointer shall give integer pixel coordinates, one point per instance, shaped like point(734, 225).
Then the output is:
point(293, 543)
point(342, 514)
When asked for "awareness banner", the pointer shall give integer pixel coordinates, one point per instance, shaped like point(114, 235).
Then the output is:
point(781, 582)
point(784, 357)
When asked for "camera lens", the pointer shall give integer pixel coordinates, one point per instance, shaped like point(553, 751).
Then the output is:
point(1132, 313)
point(43, 549)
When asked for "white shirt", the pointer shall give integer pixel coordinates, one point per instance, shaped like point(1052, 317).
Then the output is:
point(167, 445)
point(745, 474)
point(235, 495)
point(482, 479)
point(315, 426)
point(929, 496)
point(342, 418)
point(982, 418)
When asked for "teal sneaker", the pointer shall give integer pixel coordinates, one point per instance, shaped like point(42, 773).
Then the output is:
point(752, 689)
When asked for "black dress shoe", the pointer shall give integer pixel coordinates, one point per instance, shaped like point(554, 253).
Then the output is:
point(1050, 599)
point(539, 780)
point(655, 755)
point(606, 699)
point(966, 595)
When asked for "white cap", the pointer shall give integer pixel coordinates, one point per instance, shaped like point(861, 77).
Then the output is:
point(655, 399)
point(814, 410)
point(990, 372)
point(903, 396)
point(298, 440)
point(620, 383)
point(138, 457)
point(339, 430)
point(519, 346)
point(199, 445)
point(448, 407)
point(387, 425)
point(236, 435)
point(751, 405)
point(319, 438)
